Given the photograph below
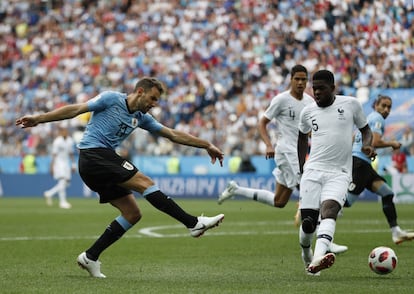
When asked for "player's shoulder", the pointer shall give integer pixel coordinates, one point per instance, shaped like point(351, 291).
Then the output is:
point(281, 96)
point(375, 116)
point(307, 99)
point(346, 98)
point(309, 108)
point(112, 95)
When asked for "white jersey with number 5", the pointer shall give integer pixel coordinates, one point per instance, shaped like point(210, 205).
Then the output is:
point(331, 130)
point(286, 109)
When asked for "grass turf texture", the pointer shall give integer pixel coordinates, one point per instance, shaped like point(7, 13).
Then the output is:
point(255, 250)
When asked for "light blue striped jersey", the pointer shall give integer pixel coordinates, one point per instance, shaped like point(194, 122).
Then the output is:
point(112, 122)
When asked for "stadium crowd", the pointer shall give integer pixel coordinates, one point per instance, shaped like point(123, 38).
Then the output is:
point(222, 60)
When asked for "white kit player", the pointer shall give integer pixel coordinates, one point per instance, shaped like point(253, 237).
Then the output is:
point(61, 167)
point(327, 172)
point(285, 109)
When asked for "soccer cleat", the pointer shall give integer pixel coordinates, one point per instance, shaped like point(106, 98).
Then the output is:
point(48, 198)
point(93, 267)
point(205, 223)
point(307, 255)
point(322, 262)
point(65, 205)
point(337, 249)
point(228, 192)
point(402, 236)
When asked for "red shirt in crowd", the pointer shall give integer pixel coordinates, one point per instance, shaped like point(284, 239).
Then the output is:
point(400, 161)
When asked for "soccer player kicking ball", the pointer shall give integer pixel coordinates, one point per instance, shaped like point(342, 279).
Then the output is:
point(327, 172)
point(284, 109)
point(115, 116)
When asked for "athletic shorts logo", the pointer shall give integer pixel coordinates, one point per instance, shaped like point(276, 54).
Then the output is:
point(127, 165)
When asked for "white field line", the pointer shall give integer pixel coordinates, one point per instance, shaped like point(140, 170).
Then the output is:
point(165, 231)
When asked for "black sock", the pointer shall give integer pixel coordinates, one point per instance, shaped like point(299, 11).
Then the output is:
point(160, 201)
point(112, 233)
point(389, 210)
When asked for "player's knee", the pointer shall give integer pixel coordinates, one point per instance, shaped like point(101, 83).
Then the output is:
point(309, 220)
point(308, 225)
point(385, 192)
point(133, 217)
point(280, 204)
point(281, 198)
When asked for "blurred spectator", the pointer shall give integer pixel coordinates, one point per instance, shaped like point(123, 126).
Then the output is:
point(173, 165)
point(399, 161)
point(28, 165)
point(218, 58)
point(246, 165)
point(407, 141)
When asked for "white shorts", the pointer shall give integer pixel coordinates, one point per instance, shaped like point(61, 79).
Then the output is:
point(316, 186)
point(62, 170)
point(287, 169)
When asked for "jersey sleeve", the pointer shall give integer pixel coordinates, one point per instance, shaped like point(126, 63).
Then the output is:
point(359, 115)
point(377, 124)
point(100, 102)
point(273, 110)
point(149, 123)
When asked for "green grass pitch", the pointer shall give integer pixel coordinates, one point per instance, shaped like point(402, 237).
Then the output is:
point(254, 250)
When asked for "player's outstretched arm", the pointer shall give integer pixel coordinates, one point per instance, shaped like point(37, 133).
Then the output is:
point(65, 112)
point(302, 149)
point(183, 138)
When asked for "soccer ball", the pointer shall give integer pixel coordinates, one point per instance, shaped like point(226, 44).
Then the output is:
point(382, 260)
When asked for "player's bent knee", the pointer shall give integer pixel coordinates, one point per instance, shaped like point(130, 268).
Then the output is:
point(280, 204)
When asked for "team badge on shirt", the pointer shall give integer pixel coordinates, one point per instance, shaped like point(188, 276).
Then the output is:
point(378, 125)
point(127, 165)
point(341, 113)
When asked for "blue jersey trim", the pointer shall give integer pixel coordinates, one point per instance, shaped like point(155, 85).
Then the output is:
point(150, 190)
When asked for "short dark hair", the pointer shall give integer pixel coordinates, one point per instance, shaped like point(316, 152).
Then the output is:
point(298, 68)
point(324, 75)
point(149, 82)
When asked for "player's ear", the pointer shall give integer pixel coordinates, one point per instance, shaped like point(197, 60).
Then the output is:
point(140, 91)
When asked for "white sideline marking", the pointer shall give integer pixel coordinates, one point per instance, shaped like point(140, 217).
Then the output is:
point(151, 232)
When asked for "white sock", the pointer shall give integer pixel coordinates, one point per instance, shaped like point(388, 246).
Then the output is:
point(305, 240)
point(395, 230)
point(325, 235)
point(259, 195)
point(317, 227)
